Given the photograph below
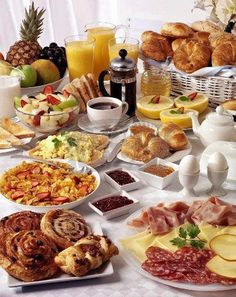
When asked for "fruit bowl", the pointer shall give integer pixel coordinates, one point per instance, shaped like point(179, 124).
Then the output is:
point(49, 123)
point(38, 89)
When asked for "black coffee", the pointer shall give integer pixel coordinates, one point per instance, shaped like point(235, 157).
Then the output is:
point(104, 105)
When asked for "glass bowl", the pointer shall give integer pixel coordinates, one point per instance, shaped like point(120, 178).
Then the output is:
point(50, 122)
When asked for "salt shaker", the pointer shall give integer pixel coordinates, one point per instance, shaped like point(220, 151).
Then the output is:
point(217, 171)
point(189, 170)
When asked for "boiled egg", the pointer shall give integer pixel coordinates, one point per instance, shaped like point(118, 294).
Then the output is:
point(189, 165)
point(217, 162)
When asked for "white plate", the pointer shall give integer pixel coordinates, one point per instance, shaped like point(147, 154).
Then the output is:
point(176, 156)
point(70, 205)
point(158, 123)
point(104, 270)
point(86, 125)
point(136, 265)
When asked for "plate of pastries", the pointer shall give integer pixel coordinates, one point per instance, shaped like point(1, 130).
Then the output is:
point(169, 143)
point(191, 47)
point(57, 246)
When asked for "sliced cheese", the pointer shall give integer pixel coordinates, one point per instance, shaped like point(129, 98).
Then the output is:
point(224, 245)
point(222, 267)
point(208, 232)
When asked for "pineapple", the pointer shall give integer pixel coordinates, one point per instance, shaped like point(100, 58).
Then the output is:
point(27, 50)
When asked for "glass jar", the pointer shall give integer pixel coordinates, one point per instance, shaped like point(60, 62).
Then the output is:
point(155, 82)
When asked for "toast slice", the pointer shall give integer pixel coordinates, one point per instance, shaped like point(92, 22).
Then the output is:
point(15, 129)
point(70, 88)
point(7, 139)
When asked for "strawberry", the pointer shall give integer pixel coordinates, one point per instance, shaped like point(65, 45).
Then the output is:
point(192, 96)
point(53, 100)
point(17, 194)
point(36, 118)
point(155, 99)
point(48, 90)
point(23, 103)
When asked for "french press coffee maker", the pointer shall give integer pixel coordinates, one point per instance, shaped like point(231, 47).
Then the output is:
point(122, 73)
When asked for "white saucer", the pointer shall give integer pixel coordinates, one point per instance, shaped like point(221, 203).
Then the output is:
point(86, 125)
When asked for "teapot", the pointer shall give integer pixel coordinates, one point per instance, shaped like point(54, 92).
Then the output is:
point(216, 126)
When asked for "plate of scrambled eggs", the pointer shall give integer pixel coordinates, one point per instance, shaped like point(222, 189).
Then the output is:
point(74, 145)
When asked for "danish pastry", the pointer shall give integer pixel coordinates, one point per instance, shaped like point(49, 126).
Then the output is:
point(192, 56)
point(23, 220)
point(87, 254)
point(64, 227)
point(176, 30)
point(224, 54)
point(144, 147)
point(28, 255)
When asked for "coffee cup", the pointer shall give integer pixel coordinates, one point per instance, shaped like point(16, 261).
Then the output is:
point(105, 112)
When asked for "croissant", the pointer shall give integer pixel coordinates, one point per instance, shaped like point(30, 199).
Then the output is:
point(28, 255)
point(152, 36)
point(64, 227)
point(144, 147)
point(192, 56)
point(157, 50)
point(176, 30)
point(174, 136)
point(220, 37)
point(87, 254)
point(224, 54)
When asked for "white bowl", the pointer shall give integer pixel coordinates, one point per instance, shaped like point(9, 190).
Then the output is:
point(128, 187)
point(157, 181)
point(39, 89)
point(117, 211)
point(70, 205)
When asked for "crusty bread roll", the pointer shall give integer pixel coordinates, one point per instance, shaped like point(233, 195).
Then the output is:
point(230, 104)
point(174, 136)
point(220, 37)
point(224, 54)
point(192, 56)
point(205, 26)
point(158, 50)
point(176, 30)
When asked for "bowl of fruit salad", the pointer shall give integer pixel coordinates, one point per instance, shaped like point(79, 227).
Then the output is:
point(47, 112)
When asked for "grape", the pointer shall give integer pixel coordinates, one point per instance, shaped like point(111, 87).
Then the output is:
point(53, 44)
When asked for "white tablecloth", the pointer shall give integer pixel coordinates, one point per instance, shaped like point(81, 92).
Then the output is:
point(124, 281)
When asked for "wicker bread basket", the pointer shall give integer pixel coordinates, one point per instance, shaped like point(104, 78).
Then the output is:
point(218, 89)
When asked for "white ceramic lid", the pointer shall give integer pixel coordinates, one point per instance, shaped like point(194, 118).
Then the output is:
point(219, 118)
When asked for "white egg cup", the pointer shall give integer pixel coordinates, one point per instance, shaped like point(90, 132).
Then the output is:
point(217, 178)
point(188, 181)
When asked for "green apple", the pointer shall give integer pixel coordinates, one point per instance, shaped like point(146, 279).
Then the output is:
point(28, 73)
point(68, 103)
point(17, 101)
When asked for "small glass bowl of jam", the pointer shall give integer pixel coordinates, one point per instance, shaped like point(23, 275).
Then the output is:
point(121, 179)
point(113, 205)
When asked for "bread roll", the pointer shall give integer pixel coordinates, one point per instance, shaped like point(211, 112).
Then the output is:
point(205, 26)
point(230, 104)
point(192, 56)
point(174, 136)
point(224, 54)
point(176, 30)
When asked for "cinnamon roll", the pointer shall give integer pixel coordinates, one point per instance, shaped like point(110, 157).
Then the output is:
point(28, 255)
point(87, 254)
point(18, 221)
point(64, 227)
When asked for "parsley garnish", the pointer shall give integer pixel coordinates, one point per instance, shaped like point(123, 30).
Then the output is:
point(56, 142)
point(188, 236)
point(63, 133)
point(71, 141)
point(175, 111)
point(184, 98)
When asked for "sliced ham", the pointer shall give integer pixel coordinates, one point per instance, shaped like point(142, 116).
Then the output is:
point(161, 219)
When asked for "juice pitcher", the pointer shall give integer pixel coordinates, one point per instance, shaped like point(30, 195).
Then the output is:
point(122, 73)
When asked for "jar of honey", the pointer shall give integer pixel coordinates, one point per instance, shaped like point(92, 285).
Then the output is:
point(155, 81)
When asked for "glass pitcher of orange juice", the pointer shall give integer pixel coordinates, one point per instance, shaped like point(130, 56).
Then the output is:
point(102, 32)
point(79, 55)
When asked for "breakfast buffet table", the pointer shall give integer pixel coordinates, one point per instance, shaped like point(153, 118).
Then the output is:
point(124, 281)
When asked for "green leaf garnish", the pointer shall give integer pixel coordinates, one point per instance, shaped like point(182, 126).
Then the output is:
point(71, 141)
point(184, 98)
point(56, 142)
point(188, 236)
point(175, 111)
point(63, 133)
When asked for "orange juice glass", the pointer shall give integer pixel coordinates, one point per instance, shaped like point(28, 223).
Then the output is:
point(130, 44)
point(79, 55)
point(102, 32)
